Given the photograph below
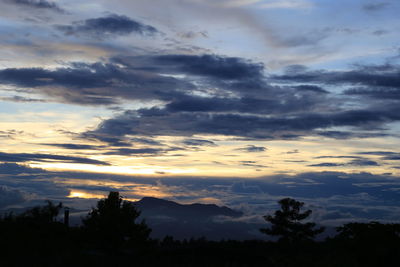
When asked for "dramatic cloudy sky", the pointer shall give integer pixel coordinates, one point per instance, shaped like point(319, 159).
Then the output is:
point(234, 102)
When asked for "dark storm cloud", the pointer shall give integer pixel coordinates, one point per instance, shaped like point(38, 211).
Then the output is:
point(355, 162)
point(379, 153)
point(301, 185)
point(41, 189)
point(198, 142)
point(252, 148)
point(75, 146)
point(210, 94)
point(105, 84)
point(312, 88)
point(349, 135)
point(268, 102)
point(79, 75)
point(107, 27)
point(153, 122)
point(337, 134)
point(373, 81)
point(385, 155)
point(326, 164)
point(328, 184)
point(376, 76)
point(145, 141)
point(135, 151)
point(392, 157)
point(11, 196)
point(23, 176)
point(37, 4)
point(363, 162)
point(92, 84)
point(365, 195)
point(382, 93)
point(114, 141)
point(243, 188)
point(25, 157)
point(337, 157)
point(224, 74)
point(230, 68)
point(144, 78)
point(13, 168)
point(217, 104)
point(194, 103)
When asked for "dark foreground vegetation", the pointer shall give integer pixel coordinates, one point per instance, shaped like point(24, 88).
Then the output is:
point(111, 236)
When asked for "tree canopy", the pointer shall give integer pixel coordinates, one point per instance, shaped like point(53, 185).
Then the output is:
point(114, 221)
point(286, 222)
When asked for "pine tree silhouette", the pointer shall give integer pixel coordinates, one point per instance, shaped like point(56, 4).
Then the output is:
point(287, 224)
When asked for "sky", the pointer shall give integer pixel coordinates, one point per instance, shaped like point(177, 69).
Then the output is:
point(233, 102)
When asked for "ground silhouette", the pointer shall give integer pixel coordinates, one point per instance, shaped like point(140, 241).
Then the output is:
point(111, 236)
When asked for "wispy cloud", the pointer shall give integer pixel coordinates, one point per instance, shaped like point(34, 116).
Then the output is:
point(272, 4)
point(375, 6)
point(26, 157)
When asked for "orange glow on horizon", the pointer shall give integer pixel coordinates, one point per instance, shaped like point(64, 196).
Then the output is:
point(81, 194)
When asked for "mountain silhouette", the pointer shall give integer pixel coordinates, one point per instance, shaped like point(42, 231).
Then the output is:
point(185, 221)
point(152, 206)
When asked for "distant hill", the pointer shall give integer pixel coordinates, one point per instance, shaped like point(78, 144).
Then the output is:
point(151, 206)
point(195, 220)
point(182, 221)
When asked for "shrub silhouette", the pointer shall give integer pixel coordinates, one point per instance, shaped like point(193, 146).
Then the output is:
point(372, 244)
point(34, 237)
point(112, 237)
point(286, 222)
point(372, 232)
point(42, 214)
point(113, 222)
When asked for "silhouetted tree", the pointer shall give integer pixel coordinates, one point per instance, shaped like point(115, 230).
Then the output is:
point(287, 224)
point(372, 232)
point(36, 234)
point(113, 221)
point(42, 214)
point(372, 244)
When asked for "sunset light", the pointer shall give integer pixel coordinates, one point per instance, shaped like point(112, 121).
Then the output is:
point(235, 102)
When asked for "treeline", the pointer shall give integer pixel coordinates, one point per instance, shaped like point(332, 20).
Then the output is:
point(112, 236)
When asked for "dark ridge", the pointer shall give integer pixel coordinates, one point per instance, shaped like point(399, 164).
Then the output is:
point(150, 205)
